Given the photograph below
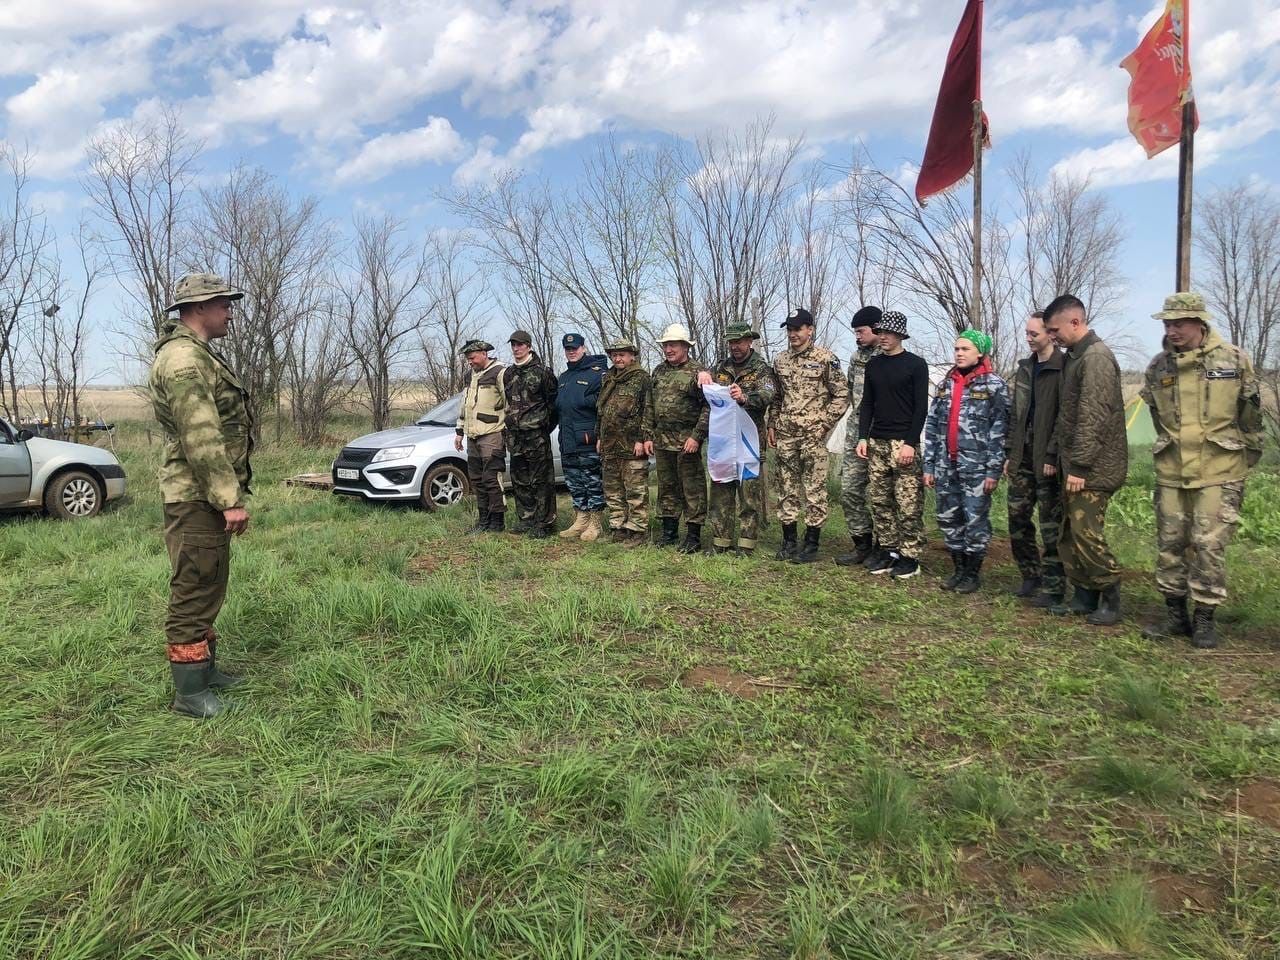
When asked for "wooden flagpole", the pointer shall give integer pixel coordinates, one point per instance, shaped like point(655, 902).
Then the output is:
point(975, 308)
point(1186, 164)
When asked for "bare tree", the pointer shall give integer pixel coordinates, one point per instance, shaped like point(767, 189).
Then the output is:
point(457, 293)
point(319, 363)
point(138, 178)
point(24, 243)
point(808, 251)
point(381, 301)
point(512, 224)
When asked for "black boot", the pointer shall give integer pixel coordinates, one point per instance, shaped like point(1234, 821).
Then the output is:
point(497, 521)
point(521, 526)
point(808, 552)
point(670, 532)
point(216, 677)
point(482, 521)
point(957, 573)
point(1046, 601)
point(861, 550)
point(1084, 601)
point(1108, 612)
point(788, 549)
point(971, 581)
point(1176, 622)
point(692, 538)
point(1030, 587)
point(191, 693)
point(1204, 635)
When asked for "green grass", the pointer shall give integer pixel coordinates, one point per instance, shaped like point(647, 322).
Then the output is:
point(494, 747)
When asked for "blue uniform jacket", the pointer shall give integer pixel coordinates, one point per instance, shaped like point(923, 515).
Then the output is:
point(984, 419)
point(576, 403)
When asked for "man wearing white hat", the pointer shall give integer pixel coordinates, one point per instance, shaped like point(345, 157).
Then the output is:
point(681, 419)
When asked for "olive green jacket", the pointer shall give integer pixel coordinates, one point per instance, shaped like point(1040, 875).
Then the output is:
point(1207, 411)
point(204, 412)
point(1092, 441)
point(624, 410)
point(680, 409)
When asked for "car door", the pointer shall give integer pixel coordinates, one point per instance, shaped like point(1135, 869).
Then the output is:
point(15, 467)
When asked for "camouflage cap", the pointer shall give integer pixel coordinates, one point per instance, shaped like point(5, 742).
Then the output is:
point(476, 346)
point(740, 331)
point(1183, 306)
point(621, 343)
point(199, 287)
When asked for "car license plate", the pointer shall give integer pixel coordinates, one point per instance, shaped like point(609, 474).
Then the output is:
point(348, 474)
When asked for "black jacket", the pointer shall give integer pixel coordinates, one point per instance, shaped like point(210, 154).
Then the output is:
point(576, 403)
point(1044, 429)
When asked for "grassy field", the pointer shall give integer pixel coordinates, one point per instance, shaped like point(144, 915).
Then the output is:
point(479, 748)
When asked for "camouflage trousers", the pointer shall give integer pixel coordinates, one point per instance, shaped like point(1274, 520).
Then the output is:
point(853, 486)
point(1030, 489)
point(963, 510)
point(626, 492)
point(1193, 530)
point(1082, 543)
point(802, 480)
point(582, 477)
point(896, 495)
point(486, 456)
point(200, 560)
point(533, 476)
point(682, 485)
point(740, 497)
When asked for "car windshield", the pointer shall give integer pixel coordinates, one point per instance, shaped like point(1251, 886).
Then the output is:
point(443, 415)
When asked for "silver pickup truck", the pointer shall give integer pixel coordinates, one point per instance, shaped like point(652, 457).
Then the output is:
point(68, 480)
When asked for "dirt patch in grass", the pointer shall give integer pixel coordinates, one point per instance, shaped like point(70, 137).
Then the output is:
point(1260, 800)
point(1039, 878)
point(1175, 893)
point(723, 679)
point(976, 867)
point(425, 566)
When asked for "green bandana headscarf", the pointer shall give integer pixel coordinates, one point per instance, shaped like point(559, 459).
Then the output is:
point(979, 339)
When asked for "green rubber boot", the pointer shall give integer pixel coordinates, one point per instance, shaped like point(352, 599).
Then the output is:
point(217, 678)
point(192, 695)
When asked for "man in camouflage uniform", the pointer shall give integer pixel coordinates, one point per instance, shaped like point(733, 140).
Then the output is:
point(753, 385)
point(1093, 459)
point(625, 442)
point(1032, 468)
point(579, 388)
point(204, 479)
point(1207, 410)
point(530, 390)
point(812, 397)
point(680, 416)
point(853, 471)
point(481, 421)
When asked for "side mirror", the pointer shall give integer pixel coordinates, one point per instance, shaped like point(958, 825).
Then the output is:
point(25, 435)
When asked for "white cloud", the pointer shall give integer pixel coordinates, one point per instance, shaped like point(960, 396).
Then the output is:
point(435, 142)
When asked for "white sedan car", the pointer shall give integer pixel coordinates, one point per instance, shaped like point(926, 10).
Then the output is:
point(67, 480)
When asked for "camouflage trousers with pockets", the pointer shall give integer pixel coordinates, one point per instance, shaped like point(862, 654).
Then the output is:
point(626, 492)
point(801, 468)
point(740, 498)
point(896, 495)
point(1030, 491)
point(1082, 544)
point(1193, 530)
point(486, 456)
point(853, 486)
point(533, 476)
point(963, 509)
point(582, 477)
point(199, 549)
point(682, 485)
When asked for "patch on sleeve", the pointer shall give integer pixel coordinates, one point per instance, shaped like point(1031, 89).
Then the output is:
point(1168, 381)
point(185, 373)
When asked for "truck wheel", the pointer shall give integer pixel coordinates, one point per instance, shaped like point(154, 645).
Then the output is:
point(73, 495)
point(444, 485)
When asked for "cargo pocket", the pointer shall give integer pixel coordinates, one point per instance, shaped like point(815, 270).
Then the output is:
point(1232, 499)
point(202, 558)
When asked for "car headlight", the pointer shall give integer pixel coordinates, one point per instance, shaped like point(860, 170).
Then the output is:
point(392, 453)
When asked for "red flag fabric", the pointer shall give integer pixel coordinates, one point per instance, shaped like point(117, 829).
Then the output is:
point(1160, 69)
point(948, 156)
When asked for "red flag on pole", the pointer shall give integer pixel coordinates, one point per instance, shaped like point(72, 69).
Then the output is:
point(948, 156)
point(1160, 68)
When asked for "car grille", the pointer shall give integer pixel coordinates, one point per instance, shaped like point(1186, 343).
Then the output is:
point(355, 457)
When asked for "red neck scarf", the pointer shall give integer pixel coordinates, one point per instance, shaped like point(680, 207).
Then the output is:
point(960, 379)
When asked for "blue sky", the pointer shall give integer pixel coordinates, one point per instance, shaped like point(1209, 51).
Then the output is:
point(377, 104)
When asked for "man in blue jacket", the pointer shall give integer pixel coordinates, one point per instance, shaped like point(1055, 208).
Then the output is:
point(579, 386)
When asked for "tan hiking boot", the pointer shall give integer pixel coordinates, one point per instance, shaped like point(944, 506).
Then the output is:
point(579, 526)
point(591, 531)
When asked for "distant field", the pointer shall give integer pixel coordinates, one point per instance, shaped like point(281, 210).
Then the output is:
point(480, 748)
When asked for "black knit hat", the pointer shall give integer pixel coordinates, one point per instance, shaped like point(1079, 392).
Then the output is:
point(866, 317)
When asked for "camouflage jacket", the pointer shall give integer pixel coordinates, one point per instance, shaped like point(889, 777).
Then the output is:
point(1207, 411)
point(858, 374)
point(484, 404)
point(680, 410)
point(812, 394)
point(758, 382)
point(624, 409)
point(1092, 440)
point(531, 396)
point(980, 427)
point(204, 412)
